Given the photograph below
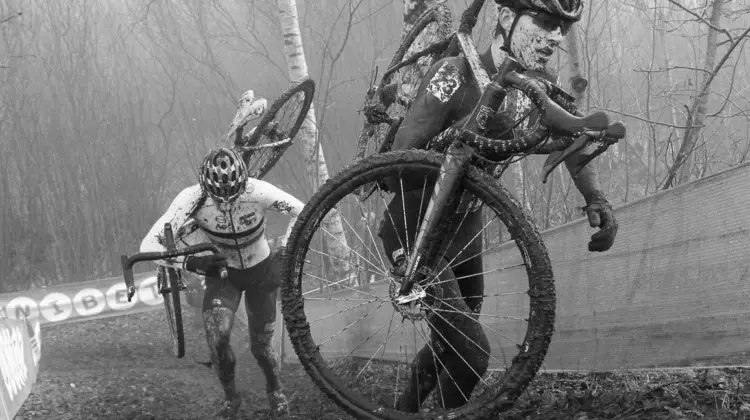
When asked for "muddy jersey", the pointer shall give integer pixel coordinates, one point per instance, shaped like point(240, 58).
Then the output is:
point(237, 228)
point(446, 97)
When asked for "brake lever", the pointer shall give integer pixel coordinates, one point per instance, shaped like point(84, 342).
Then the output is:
point(554, 159)
point(601, 146)
point(603, 139)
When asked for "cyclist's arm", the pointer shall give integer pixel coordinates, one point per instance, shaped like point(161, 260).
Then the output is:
point(273, 198)
point(440, 92)
point(176, 215)
point(587, 180)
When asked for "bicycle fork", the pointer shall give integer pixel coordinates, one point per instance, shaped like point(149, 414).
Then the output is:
point(444, 199)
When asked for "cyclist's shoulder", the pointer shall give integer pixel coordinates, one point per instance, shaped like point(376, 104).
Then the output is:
point(190, 193)
point(259, 189)
point(454, 66)
point(448, 78)
point(190, 198)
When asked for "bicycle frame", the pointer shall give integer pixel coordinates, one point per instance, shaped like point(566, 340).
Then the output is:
point(445, 198)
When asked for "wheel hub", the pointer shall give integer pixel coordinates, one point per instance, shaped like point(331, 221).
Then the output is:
point(411, 306)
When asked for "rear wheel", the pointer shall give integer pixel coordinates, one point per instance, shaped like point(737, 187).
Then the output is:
point(277, 129)
point(372, 355)
point(386, 104)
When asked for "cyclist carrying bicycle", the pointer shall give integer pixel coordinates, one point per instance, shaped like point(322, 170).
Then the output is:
point(228, 208)
point(529, 31)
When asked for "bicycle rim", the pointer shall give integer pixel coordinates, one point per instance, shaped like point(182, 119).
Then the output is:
point(434, 25)
point(173, 307)
point(286, 114)
point(358, 346)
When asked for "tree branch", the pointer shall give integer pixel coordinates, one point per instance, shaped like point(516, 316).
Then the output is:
point(672, 68)
point(702, 19)
point(11, 17)
point(640, 118)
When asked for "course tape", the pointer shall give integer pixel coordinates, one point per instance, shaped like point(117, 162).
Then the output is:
point(20, 352)
point(81, 301)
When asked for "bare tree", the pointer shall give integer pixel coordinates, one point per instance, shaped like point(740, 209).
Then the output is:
point(681, 169)
point(335, 239)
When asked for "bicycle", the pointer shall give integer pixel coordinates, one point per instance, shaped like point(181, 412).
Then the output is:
point(261, 150)
point(462, 189)
point(169, 282)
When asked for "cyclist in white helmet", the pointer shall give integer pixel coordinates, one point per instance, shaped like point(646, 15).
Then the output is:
point(228, 208)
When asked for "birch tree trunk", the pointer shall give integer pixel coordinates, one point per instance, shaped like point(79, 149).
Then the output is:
point(578, 83)
point(317, 170)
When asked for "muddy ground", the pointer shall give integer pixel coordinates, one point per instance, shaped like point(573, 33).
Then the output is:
point(123, 368)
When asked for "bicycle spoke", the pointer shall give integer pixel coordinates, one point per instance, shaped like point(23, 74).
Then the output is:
point(368, 338)
point(343, 259)
point(382, 345)
point(462, 249)
point(437, 373)
point(342, 243)
point(393, 223)
point(363, 243)
point(495, 270)
point(339, 299)
point(458, 353)
point(328, 284)
point(343, 286)
point(484, 252)
point(348, 326)
point(349, 308)
point(445, 369)
point(334, 257)
point(464, 334)
point(372, 237)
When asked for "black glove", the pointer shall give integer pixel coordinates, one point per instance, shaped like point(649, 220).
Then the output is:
point(599, 212)
point(206, 265)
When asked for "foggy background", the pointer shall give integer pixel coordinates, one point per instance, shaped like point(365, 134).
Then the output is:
point(107, 107)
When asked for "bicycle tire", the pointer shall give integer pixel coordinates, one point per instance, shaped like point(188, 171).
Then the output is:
point(525, 364)
point(306, 86)
point(169, 278)
point(439, 15)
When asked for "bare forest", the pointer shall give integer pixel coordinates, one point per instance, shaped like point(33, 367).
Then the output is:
point(106, 107)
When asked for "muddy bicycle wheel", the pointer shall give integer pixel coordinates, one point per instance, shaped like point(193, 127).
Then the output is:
point(277, 129)
point(387, 104)
point(169, 283)
point(465, 350)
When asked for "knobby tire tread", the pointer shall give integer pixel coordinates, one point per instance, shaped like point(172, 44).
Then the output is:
point(540, 328)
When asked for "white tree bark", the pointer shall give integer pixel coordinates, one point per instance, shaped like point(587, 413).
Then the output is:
point(333, 231)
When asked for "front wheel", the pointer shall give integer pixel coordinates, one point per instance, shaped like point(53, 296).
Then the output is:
point(169, 282)
point(466, 349)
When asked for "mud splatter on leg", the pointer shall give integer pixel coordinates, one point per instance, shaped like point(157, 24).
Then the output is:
point(218, 322)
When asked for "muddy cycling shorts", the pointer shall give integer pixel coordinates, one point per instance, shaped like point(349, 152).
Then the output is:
point(259, 282)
